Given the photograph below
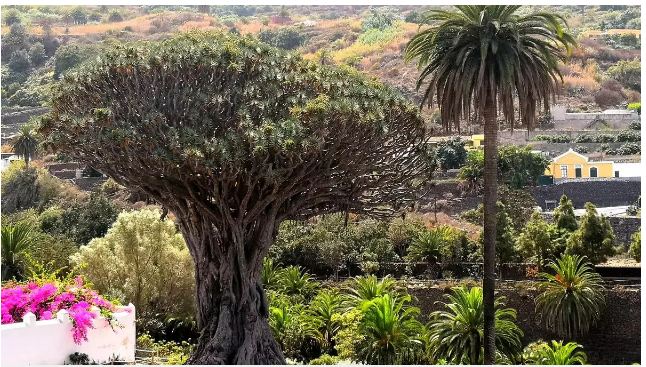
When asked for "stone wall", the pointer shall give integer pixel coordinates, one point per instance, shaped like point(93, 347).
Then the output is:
point(624, 227)
point(616, 339)
point(602, 193)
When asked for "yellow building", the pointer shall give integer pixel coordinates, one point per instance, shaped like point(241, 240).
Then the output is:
point(574, 165)
point(476, 142)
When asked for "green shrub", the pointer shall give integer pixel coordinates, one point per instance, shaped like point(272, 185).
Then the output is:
point(539, 240)
point(572, 298)
point(142, 260)
point(456, 334)
point(171, 353)
point(325, 359)
point(629, 136)
point(594, 238)
point(635, 249)
point(629, 149)
point(554, 353)
point(637, 107)
point(392, 334)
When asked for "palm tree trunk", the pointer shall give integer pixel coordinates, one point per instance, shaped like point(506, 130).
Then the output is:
point(490, 199)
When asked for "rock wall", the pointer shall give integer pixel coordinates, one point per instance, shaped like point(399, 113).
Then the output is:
point(602, 193)
point(616, 339)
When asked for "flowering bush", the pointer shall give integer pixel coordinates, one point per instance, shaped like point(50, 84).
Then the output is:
point(45, 299)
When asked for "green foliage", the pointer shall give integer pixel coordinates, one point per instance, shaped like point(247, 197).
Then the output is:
point(290, 326)
point(572, 298)
point(349, 339)
point(450, 154)
point(19, 61)
point(20, 189)
point(324, 313)
point(325, 359)
point(37, 54)
point(16, 242)
point(391, 331)
point(144, 261)
point(564, 217)
point(365, 289)
point(628, 136)
point(517, 166)
point(70, 56)
point(628, 73)
point(635, 249)
point(539, 241)
point(403, 231)
point(456, 334)
point(499, 50)
point(11, 17)
point(505, 235)
point(171, 353)
point(554, 353)
point(439, 244)
point(88, 219)
point(287, 38)
point(14, 41)
point(553, 138)
point(637, 107)
point(377, 19)
point(25, 143)
point(594, 239)
point(295, 282)
point(115, 16)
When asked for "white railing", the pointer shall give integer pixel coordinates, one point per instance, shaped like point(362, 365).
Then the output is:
point(32, 342)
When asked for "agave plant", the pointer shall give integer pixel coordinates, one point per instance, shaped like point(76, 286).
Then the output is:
point(295, 282)
point(456, 335)
point(572, 298)
point(554, 353)
point(366, 288)
point(16, 240)
point(392, 333)
point(321, 311)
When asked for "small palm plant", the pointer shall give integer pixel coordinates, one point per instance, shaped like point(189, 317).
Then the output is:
point(456, 335)
point(16, 240)
point(366, 288)
point(295, 282)
point(572, 298)
point(25, 143)
point(270, 274)
point(323, 312)
point(392, 333)
point(554, 353)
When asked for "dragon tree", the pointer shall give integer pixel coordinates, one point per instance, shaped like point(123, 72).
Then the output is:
point(233, 137)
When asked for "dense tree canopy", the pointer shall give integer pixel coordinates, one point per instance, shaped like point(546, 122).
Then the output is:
point(233, 137)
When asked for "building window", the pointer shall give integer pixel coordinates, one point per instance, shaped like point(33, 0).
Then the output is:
point(564, 171)
point(593, 171)
point(577, 171)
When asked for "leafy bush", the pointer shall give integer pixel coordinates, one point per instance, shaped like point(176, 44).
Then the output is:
point(564, 217)
point(627, 73)
point(391, 331)
point(629, 149)
point(628, 136)
point(294, 282)
point(440, 244)
point(456, 334)
point(572, 298)
point(165, 352)
point(539, 240)
point(84, 220)
point(594, 238)
point(450, 154)
point(554, 353)
point(144, 261)
point(635, 249)
point(378, 20)
point(517, 167)
point(553, 138)
point(637, 107)
point(287, 38)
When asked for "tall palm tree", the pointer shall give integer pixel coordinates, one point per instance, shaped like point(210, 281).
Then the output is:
point(25, 143)
point(486, 60)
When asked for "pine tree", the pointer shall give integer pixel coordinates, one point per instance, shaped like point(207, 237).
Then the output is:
point(594, 238)
point(564, 217)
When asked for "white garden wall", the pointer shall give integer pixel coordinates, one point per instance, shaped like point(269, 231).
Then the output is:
point(42, 342)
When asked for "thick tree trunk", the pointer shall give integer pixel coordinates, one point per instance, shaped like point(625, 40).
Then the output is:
point(232, 310)
point(490, 199)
